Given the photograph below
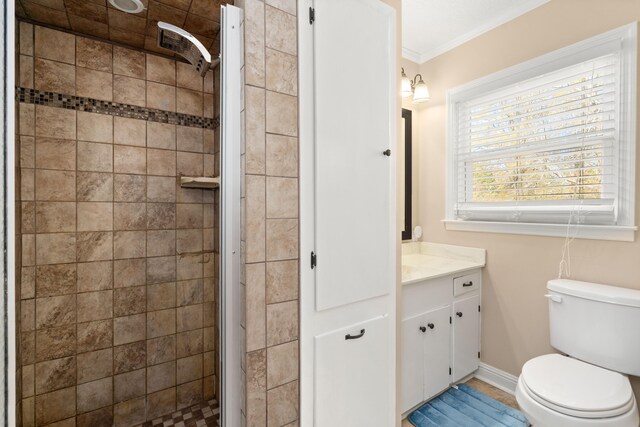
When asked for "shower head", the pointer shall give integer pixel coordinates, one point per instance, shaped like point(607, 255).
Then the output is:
point(178, 40)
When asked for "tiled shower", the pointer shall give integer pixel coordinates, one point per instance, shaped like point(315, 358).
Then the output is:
point(118, 265)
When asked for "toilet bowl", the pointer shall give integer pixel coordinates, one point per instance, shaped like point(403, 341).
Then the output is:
point(558, 391)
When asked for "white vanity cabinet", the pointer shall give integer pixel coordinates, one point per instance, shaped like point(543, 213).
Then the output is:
point(440, 334)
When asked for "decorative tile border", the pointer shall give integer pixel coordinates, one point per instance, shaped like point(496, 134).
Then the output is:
point(205, 414)
point(91, 105)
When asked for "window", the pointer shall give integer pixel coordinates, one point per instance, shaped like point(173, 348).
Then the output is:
point(547, 143)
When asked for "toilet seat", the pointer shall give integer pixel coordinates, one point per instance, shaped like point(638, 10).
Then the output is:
point(576, 388)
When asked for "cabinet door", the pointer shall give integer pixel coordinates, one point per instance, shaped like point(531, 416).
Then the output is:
point(412, 357)
point(436, 351)
point(466, 336)
point(349, 387)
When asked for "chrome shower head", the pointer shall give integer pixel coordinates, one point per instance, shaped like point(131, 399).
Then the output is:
point(185, 44)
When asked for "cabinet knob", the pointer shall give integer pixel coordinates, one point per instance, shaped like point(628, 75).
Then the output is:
point(387, 152)
point(423, 329)
point(431, 325)
point(459, 314)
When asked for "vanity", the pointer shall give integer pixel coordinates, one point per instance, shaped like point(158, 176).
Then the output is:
point(440, 318)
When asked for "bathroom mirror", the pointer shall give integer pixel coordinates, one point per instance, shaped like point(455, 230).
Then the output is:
point(406, 173)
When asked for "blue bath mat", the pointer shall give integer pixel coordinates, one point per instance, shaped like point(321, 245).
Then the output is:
point(466, 407)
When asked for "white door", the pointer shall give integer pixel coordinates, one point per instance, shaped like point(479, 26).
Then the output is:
point(412, 361)
point(348, 95)
point(436, 351)
point(466, 336)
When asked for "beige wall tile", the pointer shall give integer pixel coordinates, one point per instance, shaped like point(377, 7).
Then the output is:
point(190, 266)
point(55, 154)
point(190, 139)
point(94, 395)
point(55, 279)
point(189, 215)
point(27, 184)
point(95, 276)
point(129, 188)
point(189, 240)
point(129, 131)
point(26, 78)
point(190, 164)
point(94, 54)
point(288, 6)
point(54, 217)
point(280, 30)
point(161, 376)
point(55, 248)
point(161, 216)
point(102, 417)
point(189, 102)
point(161, 162)
point(55, 45)
point(28, 249)
point(282, 114)
point(28, 220)
point(161, 269)
point(161, 242)
point(94, 157)
point(282, 197)
point(54, 76)
point(54, 122)
point(161, 135)
point(282, 364)
point(27, 315)
point(187, 77)
point(189, 394)
point(161, 70)
point(95, 306)
point(161, 349)
point(129, 244)
point(129, 90)
point(94, 187)
point(161, 96)
point(189, 369)
point(129, 216)
point(256, 388)
point(189, 318)
point(128, 62)
point(26, 38)
point(28, 380)
point(94, 127)
point(283, 404)
point(282, 322)
point(94, 246)
point(55, 311)
point(255, 130)
point(129, 413)
point(27, 152)
point(161, 296)
point(95, 365)
point(95, 335)
point(282, 239)
point(129, 159)
point(129, 385)
point(255, 222)
point(160, 323)
point(55, 343)
point(189, 343)
point(93, 216)
point(129, 329)
point(55, 406)
point(129, 272)
point(254, 42)
point(282, 281)
point(255, 307)
point(282, 72)
point(55, 185)
point(161, 189)
point(94, 84)
point(161, 402)
point(129, 357)
point(130, 300)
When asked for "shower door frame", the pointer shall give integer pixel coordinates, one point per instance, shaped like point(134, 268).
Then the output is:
point(230, 181)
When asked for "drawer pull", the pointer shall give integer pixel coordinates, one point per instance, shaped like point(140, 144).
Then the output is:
point(431, 325)
point(459, 314)
point(466, 285)
point(354, 337)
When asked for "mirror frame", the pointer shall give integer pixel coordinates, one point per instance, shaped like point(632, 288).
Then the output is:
point(407, 232)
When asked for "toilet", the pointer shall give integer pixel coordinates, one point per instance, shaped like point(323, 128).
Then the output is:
point(597, 328)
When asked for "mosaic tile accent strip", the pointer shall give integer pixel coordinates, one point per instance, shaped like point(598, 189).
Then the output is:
point(201, 415)
point(90, 105)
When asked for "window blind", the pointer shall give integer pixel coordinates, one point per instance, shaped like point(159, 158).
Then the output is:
point(542, 149)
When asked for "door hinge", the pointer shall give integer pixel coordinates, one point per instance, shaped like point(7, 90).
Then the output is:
point(478, 309)
point(312, 15)
point(449, 371)
point(314, 260)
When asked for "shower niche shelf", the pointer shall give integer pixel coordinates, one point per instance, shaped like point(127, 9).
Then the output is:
point(202, 182)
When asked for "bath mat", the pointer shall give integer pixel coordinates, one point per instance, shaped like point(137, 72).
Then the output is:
point(466, 407)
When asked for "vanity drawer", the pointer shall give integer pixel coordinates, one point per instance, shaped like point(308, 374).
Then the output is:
point(466, 283)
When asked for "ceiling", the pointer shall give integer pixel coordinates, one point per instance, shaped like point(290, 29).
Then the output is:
point(432, 27)
point(97, 18)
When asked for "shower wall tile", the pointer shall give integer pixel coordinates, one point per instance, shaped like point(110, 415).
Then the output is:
point(117, 305)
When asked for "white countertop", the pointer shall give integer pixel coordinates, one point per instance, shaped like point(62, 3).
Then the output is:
point(424, 260)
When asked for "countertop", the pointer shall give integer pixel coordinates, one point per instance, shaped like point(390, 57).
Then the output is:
point(424, 260)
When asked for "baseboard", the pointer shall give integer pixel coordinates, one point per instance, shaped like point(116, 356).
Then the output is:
point(497, 378)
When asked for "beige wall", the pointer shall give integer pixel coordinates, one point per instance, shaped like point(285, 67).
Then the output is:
point(514, 317)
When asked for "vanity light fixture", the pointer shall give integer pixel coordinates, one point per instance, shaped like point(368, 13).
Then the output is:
point(416, 87)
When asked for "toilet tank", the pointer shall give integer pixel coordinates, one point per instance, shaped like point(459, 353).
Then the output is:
point(598, 324)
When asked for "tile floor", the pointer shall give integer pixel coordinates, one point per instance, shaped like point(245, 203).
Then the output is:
point(205, 414)
point(487, 389)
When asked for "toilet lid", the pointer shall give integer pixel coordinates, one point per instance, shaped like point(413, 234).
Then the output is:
point(577, 388)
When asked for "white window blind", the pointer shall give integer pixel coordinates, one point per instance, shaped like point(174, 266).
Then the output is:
point(548, 142)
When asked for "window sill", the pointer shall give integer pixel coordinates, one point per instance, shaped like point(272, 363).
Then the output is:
point(596, 232)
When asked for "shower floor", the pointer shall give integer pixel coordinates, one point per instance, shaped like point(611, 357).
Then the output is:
point(200, 415)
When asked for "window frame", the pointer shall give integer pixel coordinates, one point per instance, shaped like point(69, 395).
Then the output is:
point(624, 229)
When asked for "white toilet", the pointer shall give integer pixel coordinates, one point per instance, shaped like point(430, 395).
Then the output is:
point(598, 327)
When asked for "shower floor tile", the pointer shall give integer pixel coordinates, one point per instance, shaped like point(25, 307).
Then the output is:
point(205, 414)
